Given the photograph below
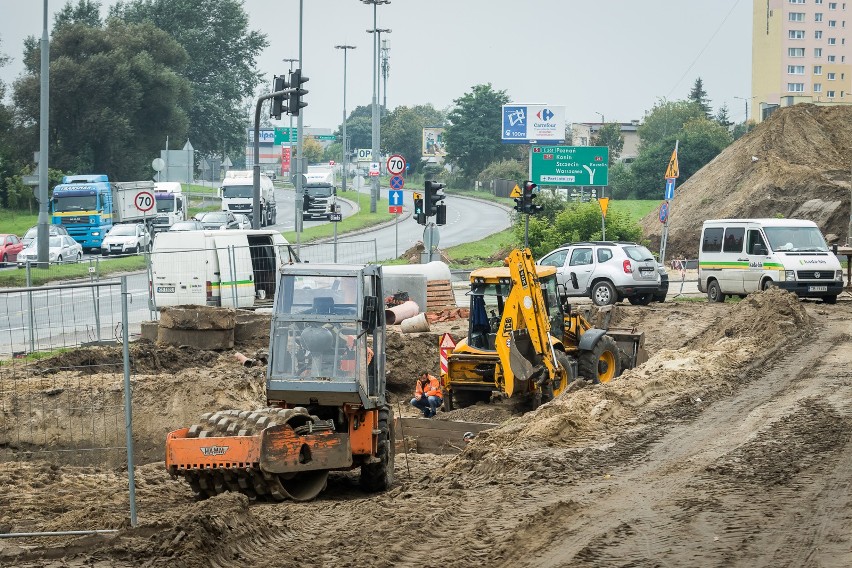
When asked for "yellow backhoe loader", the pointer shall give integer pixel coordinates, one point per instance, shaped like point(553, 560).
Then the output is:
point(523, 341)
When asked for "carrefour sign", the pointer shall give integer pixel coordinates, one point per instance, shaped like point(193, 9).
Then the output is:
point(533, 124)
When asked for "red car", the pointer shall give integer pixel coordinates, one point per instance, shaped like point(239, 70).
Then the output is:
point(10, 247)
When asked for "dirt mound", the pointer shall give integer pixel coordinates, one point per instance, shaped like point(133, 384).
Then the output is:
point(145, 357)
point(676, 381)
point(794, 165)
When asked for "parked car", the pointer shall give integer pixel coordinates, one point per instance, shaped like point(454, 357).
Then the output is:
point(10, 247)
point(126, 239)
point(243, 221)
point(607, 272)
point(32, 233)
point(188, 225)
point(217, 220)
point(62, 249)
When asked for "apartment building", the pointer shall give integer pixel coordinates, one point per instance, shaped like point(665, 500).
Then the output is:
point(801, 52)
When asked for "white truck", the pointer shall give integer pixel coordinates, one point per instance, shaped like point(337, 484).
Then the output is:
point(171, 205)
point(319, 193)
point(237, 193)
point(235, 268)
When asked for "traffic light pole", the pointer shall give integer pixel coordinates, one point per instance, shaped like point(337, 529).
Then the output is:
point(256, 213)
point(526, 231)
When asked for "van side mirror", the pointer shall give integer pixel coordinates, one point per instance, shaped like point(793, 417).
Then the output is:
point(574, 282)
point(370, 314)
point(834, 249)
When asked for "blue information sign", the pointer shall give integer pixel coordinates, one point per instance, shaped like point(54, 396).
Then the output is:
point(670, 187)
point(397, 182)
point(395, 197)
point(664, 212)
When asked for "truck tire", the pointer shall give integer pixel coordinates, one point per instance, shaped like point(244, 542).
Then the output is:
point(602, 363)
point(379, 476)
point(714, 292)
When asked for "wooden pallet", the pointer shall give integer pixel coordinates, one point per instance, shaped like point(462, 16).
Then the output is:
point(439, 295)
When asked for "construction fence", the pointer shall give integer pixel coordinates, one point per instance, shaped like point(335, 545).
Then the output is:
point(59, 405)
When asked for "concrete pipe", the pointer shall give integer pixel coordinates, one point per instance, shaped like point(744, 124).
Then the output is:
point(415, 324)
point(401, 312)
point(246, 362)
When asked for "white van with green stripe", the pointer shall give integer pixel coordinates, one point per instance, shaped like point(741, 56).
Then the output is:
point(740, 256)
point(233, 268)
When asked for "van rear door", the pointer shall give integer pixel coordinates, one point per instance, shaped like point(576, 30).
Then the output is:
point(237, 275)
point(178, 269)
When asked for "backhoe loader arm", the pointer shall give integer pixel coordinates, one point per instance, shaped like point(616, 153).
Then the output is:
point(524, 336)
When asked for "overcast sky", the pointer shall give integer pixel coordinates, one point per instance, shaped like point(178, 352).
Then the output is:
point(614, 58)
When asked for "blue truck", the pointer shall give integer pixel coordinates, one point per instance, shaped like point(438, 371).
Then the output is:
point(89, 205)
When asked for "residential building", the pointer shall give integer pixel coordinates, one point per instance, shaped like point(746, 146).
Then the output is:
point(801, 52)
point(583, 133)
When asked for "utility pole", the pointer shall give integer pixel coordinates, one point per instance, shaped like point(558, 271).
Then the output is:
point(376, 158)
point(42, 236)
point(345, 48)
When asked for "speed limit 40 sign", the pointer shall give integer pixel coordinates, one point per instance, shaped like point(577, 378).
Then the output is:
point(396, 164)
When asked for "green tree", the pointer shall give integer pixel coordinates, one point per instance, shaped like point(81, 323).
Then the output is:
point(221, 66)
point(504, 169)
point(402, 131)
point(333, 151)
point(723, 117)
point(312, 150)
point(742, 129)
point(7, 167)
point(473, 136)
point(359, 128)
point(86, 12)
point(665, 119)
point(562, 223)
point(610, 135)
point(114, 92)
point(699, 96)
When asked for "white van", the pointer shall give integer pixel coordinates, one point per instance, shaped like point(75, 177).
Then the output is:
point(739, 256)
point(233, 268)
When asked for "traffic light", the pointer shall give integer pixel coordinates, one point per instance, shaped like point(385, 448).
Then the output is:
point(433, 197)
point(278, 106)
point(441, 215)
point(419, 214)
point(296, 82)
point(527, 198)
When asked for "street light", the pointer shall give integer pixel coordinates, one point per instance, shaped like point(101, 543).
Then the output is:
point(384, 74)
point(603, 119)
point(345, 48)
point(374, 193)
point(746, 100)
point(290, 132)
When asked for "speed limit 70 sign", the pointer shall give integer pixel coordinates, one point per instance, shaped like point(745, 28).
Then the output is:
point(144, 201)
point(396, 164)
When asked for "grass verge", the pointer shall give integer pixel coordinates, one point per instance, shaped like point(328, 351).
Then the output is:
point(362, 220)
point(59, 272)
point(16, 222)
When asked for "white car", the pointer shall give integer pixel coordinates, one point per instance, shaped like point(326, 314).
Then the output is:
point(62, 249)
point(126, 239)
point(243, 221)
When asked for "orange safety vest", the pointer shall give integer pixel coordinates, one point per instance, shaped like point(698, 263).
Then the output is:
point(433, 388)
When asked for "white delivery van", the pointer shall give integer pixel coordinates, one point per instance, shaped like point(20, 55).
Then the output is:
point(232, 268)
point(739, 256)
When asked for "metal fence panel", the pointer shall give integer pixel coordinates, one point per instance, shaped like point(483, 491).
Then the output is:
point(349, 252)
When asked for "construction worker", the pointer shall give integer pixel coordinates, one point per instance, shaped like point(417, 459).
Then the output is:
point(427, 395)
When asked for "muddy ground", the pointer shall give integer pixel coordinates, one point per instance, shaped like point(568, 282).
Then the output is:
point(731, 446)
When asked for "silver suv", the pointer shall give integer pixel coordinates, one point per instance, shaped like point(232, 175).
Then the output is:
point(606, 271)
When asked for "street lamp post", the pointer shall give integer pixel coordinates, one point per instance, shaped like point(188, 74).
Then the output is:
point(345, 48)
point(603, 119)
point(374, 193)
point(745, 100)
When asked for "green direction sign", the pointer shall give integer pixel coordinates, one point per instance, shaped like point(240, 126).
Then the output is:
point(325, 137)
point(282, 135)
point(569, 165)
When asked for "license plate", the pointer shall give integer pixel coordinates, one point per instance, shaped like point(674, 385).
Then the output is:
point(166, 289)
point(817, 288)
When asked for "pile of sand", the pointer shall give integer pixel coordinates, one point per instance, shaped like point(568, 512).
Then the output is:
point(796, 164)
